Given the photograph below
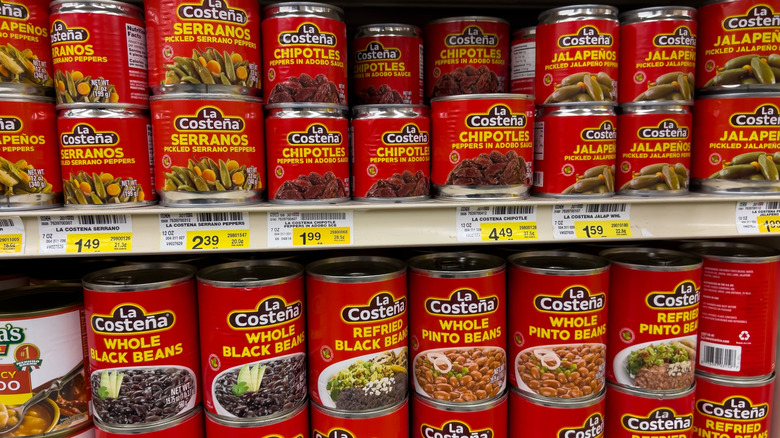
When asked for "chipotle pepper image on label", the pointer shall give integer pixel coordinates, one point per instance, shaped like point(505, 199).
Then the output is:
point(25, 47)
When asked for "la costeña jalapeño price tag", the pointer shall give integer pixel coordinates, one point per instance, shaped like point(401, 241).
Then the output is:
point(11, 235)
point(591, 221)
point(758, 217)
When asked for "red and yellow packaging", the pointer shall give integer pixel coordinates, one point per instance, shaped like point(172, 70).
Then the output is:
point(563, 419)
point(632, 413)
point(189, 425)
point(486, 419)
point(99, 54)
point(728, 406)
point(293, 425)
point(24, 33)
point(390, 422)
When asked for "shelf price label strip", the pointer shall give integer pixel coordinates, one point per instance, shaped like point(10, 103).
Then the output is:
point(76, 234)
point(11, 235)
point(758, 217)
point(591, 221)
point(206, 230)
point(309, 228)
point(496, 224)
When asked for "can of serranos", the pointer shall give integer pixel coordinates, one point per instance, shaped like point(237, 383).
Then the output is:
point(651, 344)
point(558, 332)
point(523, 58)
point(726, 406)
point(99, 54)
point(204, 45)
point(633, 413)
point(737, 47)
point(736, 148)
point(566, 418)
point(142, 334)
point(29, 166)
point(308, 153)
point(391, 154)
point(484, 419)
point(483, 146)
point(387, 64)
point(252, 340)
point(208, 149)
point(25, 47)
point(390, 422)
point(575, 150)
point(577, 54)
point(654, 149)
point(356, 314)
point(304, 53)
point(740, 293)
point(294, 424)
point(42, 353)
point(189, 425)
point(458, 320)
point(658, 54)
point(466, 55)
point(106, 157)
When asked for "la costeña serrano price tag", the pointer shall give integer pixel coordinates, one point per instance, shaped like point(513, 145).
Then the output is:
point(591, 221)
point(496, 224)
point(206, 230)
point(11, 235)
point(71, 234)
point(758, 217)
point(309, 228)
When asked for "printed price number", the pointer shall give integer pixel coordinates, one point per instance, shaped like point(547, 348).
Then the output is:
point(11, 243)
point(217, 239)
point(98, 242)
point(321, 236)
point(507, 231)
point(598, 229)
point(768, 224)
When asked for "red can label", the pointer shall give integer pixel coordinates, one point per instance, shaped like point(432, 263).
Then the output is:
point(388, 69)
point(723, 409)
point(105, 160)
point(203, 42)
point(25, 47)
point(304, 60)
point(296, 426)
point(582, 420)
point(394, 423)
point(523, 65)
point(654, 151)
point(632, 415)
point(576, 59)
point(430, 420)
point(191, 427)
point(99, 57)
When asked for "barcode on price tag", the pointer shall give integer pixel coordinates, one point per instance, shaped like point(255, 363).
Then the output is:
point(496, 224)
point(591, 221)
point(11, 235)
point(71, 234)
point(301, 229)
point(204, 230)
point(758, 217)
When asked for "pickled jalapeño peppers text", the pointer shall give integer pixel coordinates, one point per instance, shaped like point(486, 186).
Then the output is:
point(666, 141)
point(756, 31)
point(675, 50)
point(586, 48)
point(271, 329)
point(130, 335)
point(572, 315)
point(677, 311)
point(387, 329)
point(474, 324)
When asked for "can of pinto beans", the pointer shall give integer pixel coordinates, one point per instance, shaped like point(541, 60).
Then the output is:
point(725, 405)
point(390, 422)
point(25, 47)
point(189, 425)
point(523, 59)
point(434, 419)
point(294, 424)
point(565, 418)
point(634, 413)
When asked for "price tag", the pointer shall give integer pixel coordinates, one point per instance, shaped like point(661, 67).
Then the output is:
point(11, 235)
point(591, 221)
point(758, 217)
point(208, 230)
point(71, 234)
point(310, 228)
point(496, 224)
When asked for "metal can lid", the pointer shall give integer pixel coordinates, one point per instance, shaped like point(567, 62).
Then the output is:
point(387, 29)
point(576, 108)
point(356, 269)
point(578, 12)
point(205, 96)
point(18, 97)
point(656, 395)
point(559, 263)
point(374, 413)
point(525, 33)
point(480, 405)
point(468, 19)
point(133, 278)
point(388, 111)
point(295, 109)
point(561, 403)
point(257, 421)
point(92, 6)
point(652, 259)
point(457, 264)
point(654, 108)
point(766, 91)
point(103, 113)
point(732, 252)
point(40, 300)
point(303, 9)
point(250, 273)
point(737, 382)
point(484, 96)
point(658, 13)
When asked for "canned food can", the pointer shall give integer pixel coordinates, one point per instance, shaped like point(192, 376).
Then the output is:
point(433, 419)
point(253, 339)
point(577, 54)
point(208, 149)
point(736, 144)
point(388, 64)
point(356, 314)
point(653, 150)
point(104, 158)
point(391, 153)
point(736, 48)
point(523, 60)
point(99, 54)
point(658, 55)
point(390, 422)
point(294, 424)
point(142, 334)
point(42, 361)
point(308, 153)
point(739, 299)
point(26, 47)
point(651, 345)
point(466, 55)
point(458, 321)
point(203, 45)
point(575, 150)
point(189, 425)
point(632, 413)
point(558, 332)
point(29, 166)
point(304, 54)
point(730, 406)
point(482, 146)
point(565, 418)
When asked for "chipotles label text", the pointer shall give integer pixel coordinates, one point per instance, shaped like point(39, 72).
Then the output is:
point(388, 69)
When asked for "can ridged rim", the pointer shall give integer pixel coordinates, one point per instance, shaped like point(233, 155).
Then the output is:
point(654, 108)
point(560, 403)
point(205, 97)
point(737, 382)
point(671, 394)
point(732, 252)
point(256, 273)
point(257, 421)
point(387, 29)
point(468, 19)
point(120, 279)
point(576, 12)
point(142, 428)
point(524, 32)
point(652, 259)
point(577, 105)
point(307, 106)
point(658, 13)
point(360, 415)
point(539, 262)
point(120, 4)
point(356, 269)
point(734, 94)
point(26, 98)
point(378, 110)
point(485, 96)
point(28, 294)
point(324, 6)
point(108, 113)
point(430, 265)
point(481, 405)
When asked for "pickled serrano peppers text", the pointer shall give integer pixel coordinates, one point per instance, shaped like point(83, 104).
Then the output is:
point(573, 315)
point(677, 311)
point(209, 131)
point(473, 47)
point(475, 328)
point(85, 146)
point(377, 325)
point(307, 45)
point(212, 22)
point(131, 336)
point(273, 328)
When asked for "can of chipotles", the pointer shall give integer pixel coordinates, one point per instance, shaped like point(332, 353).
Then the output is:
point(391, 154)
point(574, 150)
point(208, 149)
point(523, 59)
point(658, 54)
point(252, 339)
point(357, 326)
point(632, 413)
point(294, 424)
point(651, 344)
point(736, 144)
point(142, 334)
point(482, 146)
point(25, 47)
point(189, 425)
point(573, 418)
point(308, 153)
point(206, 43)
point(653, 149)
point(304, 54)
point(458, 318)
point(577, 54)
point(740, 293)
point(739, 406)
point(559, 329)
point(104, 158)
point(484, 419)
point(737, 45)
point(390, 422)
point(99, 54)
point(388, 64)
point(29, 166)
point(466, 55)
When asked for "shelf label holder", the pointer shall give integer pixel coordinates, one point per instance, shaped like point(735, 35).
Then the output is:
point(204, 231)
point(85, 234)
point(310, 228)
point(591, 221)
point(496, 224)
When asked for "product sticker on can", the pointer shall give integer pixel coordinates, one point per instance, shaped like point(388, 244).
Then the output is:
point(25, 46)
point(485, 419)
point(632, 413)
point(579, 418)
point(730, 405)
point(293, 425)
point(523, 58)
point(390, 422)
